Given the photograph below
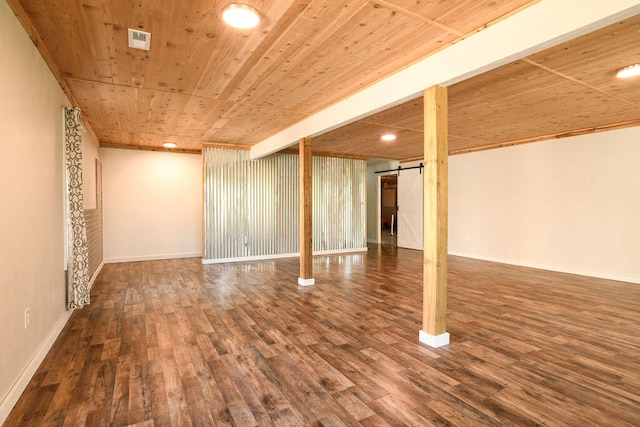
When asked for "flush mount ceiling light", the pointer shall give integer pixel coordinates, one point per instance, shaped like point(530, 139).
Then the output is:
point(240, 15)
point(388, 137)
point(169, 145)
point(629, 71)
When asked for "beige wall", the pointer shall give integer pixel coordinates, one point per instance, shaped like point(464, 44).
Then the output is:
point(31, 200)
point(152, 205)
point(569, 205)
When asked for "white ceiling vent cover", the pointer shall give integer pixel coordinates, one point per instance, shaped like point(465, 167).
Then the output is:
point(139, 39)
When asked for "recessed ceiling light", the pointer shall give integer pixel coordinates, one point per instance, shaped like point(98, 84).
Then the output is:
point(240, 15)
point(630, 71)
point(169, 145)
point(388, 137)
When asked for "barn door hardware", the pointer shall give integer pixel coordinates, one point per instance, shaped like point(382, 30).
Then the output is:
point(400, 168)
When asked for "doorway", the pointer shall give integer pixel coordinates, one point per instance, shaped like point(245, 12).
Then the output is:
point(388, 231)
point(410, 216)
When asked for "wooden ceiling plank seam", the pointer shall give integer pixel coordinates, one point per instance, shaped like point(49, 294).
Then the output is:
point(181, 47)
point(501, 18)
point(123, 54)
point(140, 132)
point(578, 81)
point(223, 63)
point(558, 135)
point(296, 54)
point(424, 19)
point(139, 19)
point(552, 105)
point(155, 90)
point(470, 138)
point(256, 124)
point(376, 38)
point(214, 76)
point(444, 46)
point(345, 81)
point(33, 34)
point(90, 21)
point(111, 47)
point(185, 97)
point(595, 57)
point(276, 34)
point(135, 138)
point(231, 51)
point(366, 122)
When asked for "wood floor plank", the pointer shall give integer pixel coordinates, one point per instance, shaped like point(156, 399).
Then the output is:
point(175, 342)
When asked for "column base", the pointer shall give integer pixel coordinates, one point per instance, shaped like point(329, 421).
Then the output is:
point(434, 340)
point(306, 282)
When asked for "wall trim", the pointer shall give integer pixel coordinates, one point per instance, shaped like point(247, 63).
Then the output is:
point(598, 275)
point(281, 256)
point(95, 274)
point(25, 377)
point(341, 251)
point(137, 258)
point(249, 258)
point(27, 374)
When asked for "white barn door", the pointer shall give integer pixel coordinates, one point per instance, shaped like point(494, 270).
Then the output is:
point(410, 217)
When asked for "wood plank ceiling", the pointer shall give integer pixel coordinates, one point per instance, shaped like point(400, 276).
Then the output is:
point(562, 91)
point(203, 82)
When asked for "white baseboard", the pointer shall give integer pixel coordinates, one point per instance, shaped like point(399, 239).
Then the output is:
point(599, 275)
point(20, 385)
point(95, 275)
point(248, 258)
point(341, 251)
point(136, 258)
point(434, 341)
point(306, 282)
point(18, 388)
point(280, 256)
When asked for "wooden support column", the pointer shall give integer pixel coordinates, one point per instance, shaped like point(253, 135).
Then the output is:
point(434, 307)
point(306, 220)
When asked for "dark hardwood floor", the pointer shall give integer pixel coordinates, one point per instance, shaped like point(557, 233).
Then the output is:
point(173, 343)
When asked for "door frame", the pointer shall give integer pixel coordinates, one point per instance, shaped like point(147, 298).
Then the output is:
point(379, 207)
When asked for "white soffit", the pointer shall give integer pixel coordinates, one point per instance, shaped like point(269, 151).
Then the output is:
point(540, 26)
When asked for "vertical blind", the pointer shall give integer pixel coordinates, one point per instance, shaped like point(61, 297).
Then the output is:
point(251, 206)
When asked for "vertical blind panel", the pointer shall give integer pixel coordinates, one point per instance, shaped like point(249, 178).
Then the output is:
point(251, 206)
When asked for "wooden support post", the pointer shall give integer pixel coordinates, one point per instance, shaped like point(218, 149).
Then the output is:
point(434, 307)
point(306, 220)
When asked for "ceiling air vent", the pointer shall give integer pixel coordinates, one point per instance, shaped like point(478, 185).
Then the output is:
point(139, 39)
